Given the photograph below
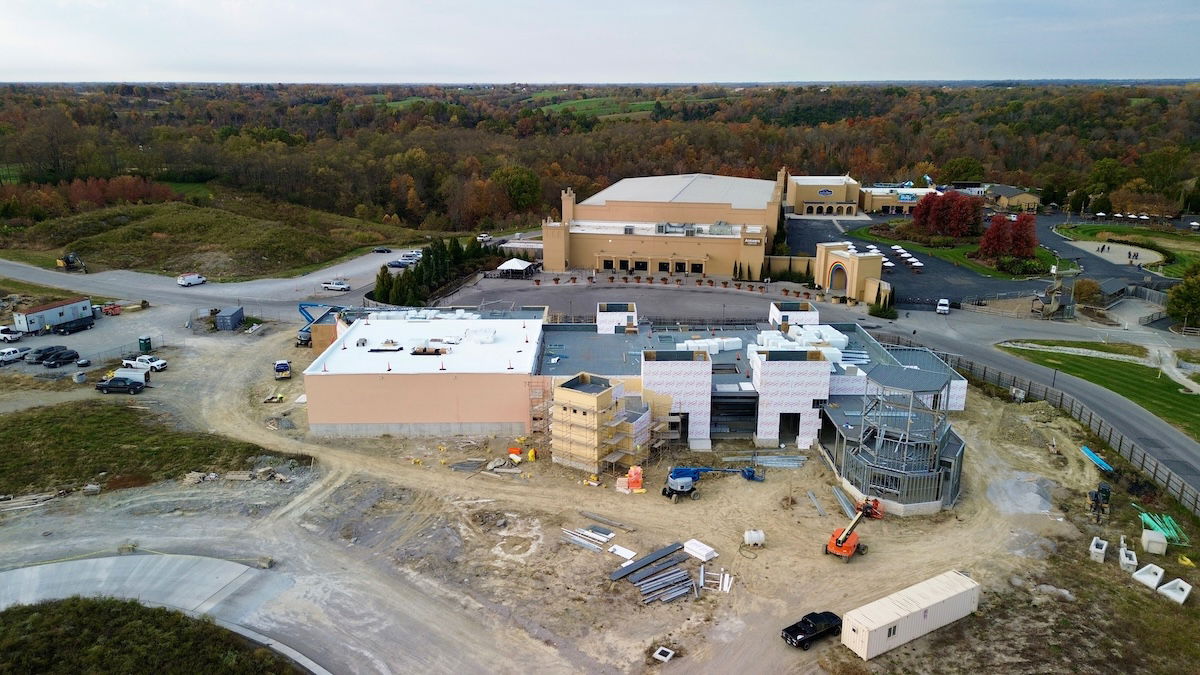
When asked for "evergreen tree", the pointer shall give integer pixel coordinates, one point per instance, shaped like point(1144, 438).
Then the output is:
point(383, 284)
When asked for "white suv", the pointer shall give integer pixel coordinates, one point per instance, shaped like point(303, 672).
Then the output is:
point(943, 306)
point(336, 285)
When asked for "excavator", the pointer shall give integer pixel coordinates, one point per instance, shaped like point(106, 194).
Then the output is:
point(71, 262)
point(681, 481)
point(844, 540)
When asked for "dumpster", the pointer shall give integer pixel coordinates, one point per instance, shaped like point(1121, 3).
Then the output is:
point(144, 345)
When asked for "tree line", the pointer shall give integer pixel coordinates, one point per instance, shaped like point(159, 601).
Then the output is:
point(460, 158)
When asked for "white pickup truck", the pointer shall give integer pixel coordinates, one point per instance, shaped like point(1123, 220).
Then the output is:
point(9, 335)
point(145, 362)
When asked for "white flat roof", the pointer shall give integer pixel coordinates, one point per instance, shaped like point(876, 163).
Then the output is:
point(472, 345)
point(899, 191)
point(611, 227)
point(823, 180)
point(690, 188)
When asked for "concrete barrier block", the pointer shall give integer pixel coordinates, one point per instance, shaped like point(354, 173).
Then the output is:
point(1176, 590)
point(1154, 542)
point(1128, 561)
point(1098, 549)
point(1150, 575)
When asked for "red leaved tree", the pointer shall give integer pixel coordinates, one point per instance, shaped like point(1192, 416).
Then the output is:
point(997, 238)
point(1023, 240)
point(953, 214)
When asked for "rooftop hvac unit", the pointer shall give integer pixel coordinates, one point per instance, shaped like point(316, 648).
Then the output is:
point(362, 342)
point(660, 228)
point(628, 229)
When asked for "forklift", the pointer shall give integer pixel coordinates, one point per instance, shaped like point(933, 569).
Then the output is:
point(844, 540)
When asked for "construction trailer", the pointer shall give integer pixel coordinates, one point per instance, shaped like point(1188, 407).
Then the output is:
point(52, 314)
point(909, 614)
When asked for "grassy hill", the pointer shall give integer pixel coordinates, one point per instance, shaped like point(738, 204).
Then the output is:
point(239, 236)
point(107, 635)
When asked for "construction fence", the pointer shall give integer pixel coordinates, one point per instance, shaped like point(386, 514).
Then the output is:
point(1168, 480)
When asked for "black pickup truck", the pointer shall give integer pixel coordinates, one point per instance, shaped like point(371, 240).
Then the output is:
point(812, 627)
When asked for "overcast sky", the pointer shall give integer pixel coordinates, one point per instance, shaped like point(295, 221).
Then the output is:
point(595, 41)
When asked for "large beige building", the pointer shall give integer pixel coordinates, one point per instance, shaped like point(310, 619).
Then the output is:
point(685, 225)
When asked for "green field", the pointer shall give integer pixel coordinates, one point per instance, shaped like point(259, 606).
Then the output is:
point(9, 173)
point(43, 259)
point(201, 190)
point(402, 103)
point(956, 255)
point(1109, 347)
point(603, 105)
point(110, 635)
point(1184, 245)
point(1140, 384)
point(69, 444)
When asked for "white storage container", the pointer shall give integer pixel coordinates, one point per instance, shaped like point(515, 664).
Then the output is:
point(908, 614)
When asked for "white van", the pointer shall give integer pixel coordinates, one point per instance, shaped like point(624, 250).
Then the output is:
point(190, 279)
point(943, 306)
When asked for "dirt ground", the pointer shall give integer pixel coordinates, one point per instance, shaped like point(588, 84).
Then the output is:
point(455, 551)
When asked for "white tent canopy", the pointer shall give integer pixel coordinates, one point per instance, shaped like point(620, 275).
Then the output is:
point(515, 265)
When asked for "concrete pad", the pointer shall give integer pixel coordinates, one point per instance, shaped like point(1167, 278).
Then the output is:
point(1150, 575)
point(1176, 590)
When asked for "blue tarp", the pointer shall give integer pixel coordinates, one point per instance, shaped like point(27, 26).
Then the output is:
point(1087, 452)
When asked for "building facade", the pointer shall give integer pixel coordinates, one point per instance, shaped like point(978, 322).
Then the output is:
point(686, 225)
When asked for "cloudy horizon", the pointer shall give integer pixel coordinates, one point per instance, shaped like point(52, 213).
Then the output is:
point(533, 41)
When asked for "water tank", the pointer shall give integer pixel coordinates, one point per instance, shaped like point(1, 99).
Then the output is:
point(755, 538)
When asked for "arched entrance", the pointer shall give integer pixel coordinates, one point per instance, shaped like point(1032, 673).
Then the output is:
point(838, 279)
point(841, 210)
point(808, 209)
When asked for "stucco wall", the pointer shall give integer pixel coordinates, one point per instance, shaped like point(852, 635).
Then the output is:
point(345, 402)
point(789, 387)
point(689, 384)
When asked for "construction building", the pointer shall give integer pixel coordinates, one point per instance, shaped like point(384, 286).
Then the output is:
point(616, 392)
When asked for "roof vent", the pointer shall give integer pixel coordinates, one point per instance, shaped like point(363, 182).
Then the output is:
point(362, 342)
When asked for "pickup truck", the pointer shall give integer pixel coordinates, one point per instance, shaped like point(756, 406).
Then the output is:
point(336, 285)
point(119, 384)
point(9, 335)
point(811, 627)
point(145, 362)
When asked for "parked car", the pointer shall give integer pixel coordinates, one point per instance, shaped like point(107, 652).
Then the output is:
point(336, 285)
point(120, 384)
point(190, 279)
point(814, 626)
point(145, 362)
point(943, 306)
point(86, 323)
point(9, 335)
point(12, 354)
point(381, 249)
point(415, 254)
point(83, 363)
point(64, 357)
point(483, 237)
point(398, 263)
point(41, 353)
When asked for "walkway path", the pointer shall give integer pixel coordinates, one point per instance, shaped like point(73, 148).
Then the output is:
point(1117, 254)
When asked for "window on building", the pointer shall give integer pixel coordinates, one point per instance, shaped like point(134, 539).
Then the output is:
point(641, 266)
point(680, 267)
point(892, 632)
point(624, 264)
point(664, 267)
point(585, 413)
point(607, 264)
point(697, 268)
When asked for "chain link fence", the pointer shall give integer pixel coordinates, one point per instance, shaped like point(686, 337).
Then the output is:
point(1168, 480)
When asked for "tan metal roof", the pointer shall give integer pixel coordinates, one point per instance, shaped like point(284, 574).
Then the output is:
point(52, 305)
point(690, 188)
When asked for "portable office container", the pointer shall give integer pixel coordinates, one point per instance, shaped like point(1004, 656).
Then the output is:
point(229, 318)
point(52, 314)
point(909, 614)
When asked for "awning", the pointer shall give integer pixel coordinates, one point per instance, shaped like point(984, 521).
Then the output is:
point(515, 265)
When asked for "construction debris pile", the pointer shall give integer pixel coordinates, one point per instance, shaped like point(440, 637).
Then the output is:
point(1165, 524)
point(770, 461)
point(265, 474)
point(655, 579)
